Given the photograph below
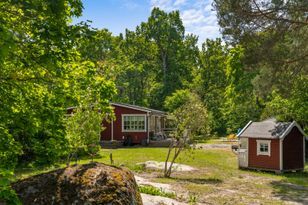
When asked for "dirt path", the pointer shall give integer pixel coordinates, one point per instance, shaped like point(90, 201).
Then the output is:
point(158, 200)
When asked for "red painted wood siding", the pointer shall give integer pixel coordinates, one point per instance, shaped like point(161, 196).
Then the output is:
point(293, 150)
point(263, 161)
point(117, 126)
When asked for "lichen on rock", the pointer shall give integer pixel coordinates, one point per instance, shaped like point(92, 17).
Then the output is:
point(92, 183)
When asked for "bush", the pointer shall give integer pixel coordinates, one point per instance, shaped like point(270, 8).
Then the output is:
point(7, 194)
point(9, 150)
point(147, 189)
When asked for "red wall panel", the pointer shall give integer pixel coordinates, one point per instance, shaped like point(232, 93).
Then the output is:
point(263, 161)
point(137, 137)
point(293, 150)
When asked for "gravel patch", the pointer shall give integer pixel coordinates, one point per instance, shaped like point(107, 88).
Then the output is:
point(213, 146)
point(154, 165)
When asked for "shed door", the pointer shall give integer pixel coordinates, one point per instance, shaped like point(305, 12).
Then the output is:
point(243, 152)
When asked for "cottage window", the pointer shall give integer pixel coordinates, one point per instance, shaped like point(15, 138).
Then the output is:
point(264, 147)
point(133, 123)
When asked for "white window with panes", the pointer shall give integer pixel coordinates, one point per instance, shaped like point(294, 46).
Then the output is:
point(264, 147)
point(133, 123)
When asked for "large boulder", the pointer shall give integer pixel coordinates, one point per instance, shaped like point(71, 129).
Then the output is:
point(93, 183)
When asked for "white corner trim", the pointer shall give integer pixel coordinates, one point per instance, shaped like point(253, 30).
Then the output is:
point(122, 122)
point(304, 151)
point(111, 130)
point(148, 128)
point(288, 130)
point(248, 140)
point(238, 135)
point(281, 154)
point(268, 142)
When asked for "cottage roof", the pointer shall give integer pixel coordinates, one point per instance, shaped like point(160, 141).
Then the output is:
point(269, 129)
point(144, 109)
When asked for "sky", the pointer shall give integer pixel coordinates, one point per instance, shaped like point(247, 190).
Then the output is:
point(117, 15)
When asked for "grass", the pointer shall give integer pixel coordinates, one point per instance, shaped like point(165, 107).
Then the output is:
point(147, 189)
point(222, 163)
point(218, 179)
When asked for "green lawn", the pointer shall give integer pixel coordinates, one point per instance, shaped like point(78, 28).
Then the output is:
point(217, 175)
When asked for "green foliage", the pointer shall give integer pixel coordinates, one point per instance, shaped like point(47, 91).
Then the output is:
point(177, 99)
point(147, 189)
point(48, 64)
point(192, 199)
point(191, 117)
point(83, 129)
point(7, 194)
point(147, 64)
point(240, 103)
point(294, 107)
point(9, 150)
point(191, 121)
point(43, 72)
point(275, 50)
point(210, 81)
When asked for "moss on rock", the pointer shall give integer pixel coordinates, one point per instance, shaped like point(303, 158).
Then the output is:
point(93, 183)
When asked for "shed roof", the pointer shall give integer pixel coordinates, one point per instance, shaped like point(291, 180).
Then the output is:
point(269, 129)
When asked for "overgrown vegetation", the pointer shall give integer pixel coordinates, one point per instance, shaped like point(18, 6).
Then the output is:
point(147, 189)
point(217, 174)
point(48, 64)
point(191, 120)
point(83, 127)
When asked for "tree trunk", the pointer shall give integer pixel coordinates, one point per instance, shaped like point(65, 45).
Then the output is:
point(164, 64)
point(168, 155)
point(68, 161)
point(172, 162)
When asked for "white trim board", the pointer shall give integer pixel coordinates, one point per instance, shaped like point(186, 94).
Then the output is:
point(288, 130)
point(133, 108)
point(239, 134)
point(281, 154)
point(111, 130)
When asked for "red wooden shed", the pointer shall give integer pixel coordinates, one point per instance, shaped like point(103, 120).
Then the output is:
point(272, 145)
point(133, 124)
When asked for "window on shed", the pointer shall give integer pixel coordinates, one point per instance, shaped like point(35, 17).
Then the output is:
point(264, 147)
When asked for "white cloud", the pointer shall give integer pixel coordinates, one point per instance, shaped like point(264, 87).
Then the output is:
point(166, 5)
point(129, 4)
point(179, 2)
point(197, 15)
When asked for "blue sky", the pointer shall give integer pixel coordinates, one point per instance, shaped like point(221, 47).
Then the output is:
point(117, 15)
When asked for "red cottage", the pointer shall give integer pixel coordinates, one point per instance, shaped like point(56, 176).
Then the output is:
point(272, 145)
point(133, 124)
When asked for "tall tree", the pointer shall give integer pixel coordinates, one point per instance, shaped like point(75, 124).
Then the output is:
point(239, 101)
point(174, 54)
point(40, 68)
point(274, 35)
point(210, 81)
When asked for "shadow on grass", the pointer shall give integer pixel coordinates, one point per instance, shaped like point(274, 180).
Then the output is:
point(87, 157)
point(293, 187)
point(290, 192)
point(299, 178)
point(209, 180)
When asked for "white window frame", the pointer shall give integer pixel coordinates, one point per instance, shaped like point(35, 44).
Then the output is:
point(137, 115)
point(268, 142)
